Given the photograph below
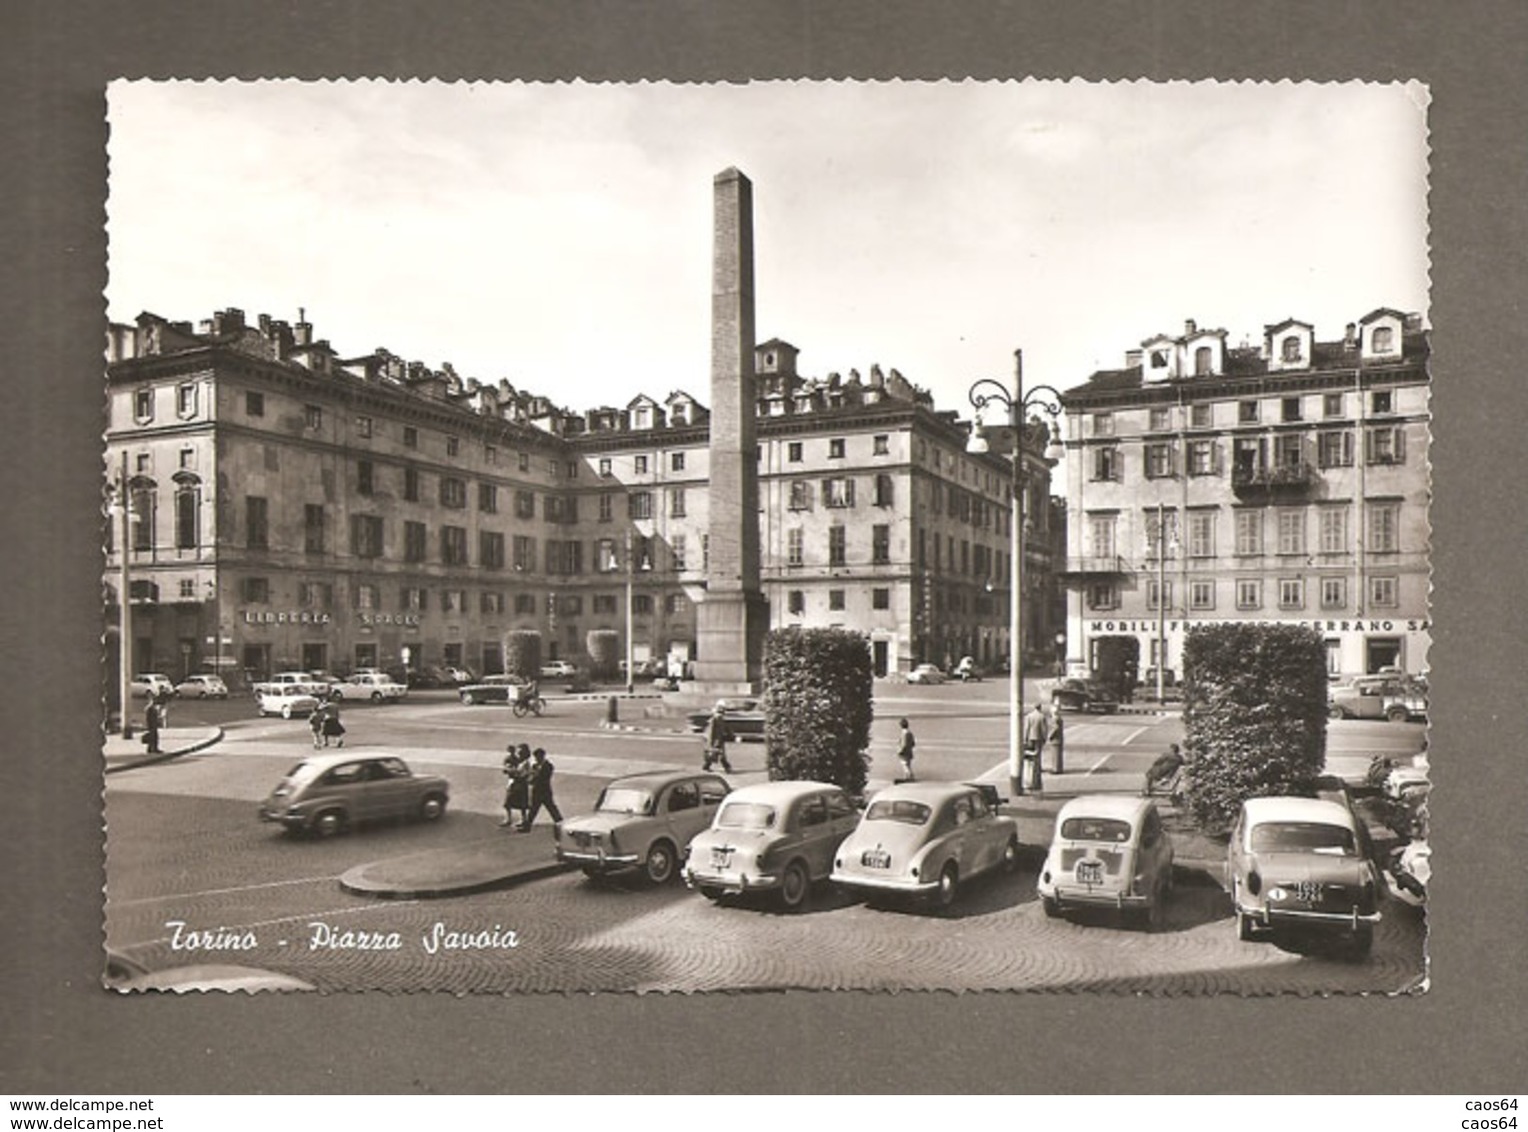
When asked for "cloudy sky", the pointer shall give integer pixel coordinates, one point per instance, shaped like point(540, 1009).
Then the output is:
point(559, 235)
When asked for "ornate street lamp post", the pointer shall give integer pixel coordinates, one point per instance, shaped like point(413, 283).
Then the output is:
point(1018, 404)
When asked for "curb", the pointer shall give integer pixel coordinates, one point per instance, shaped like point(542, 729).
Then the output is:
point(166, 756)
point(354, 881)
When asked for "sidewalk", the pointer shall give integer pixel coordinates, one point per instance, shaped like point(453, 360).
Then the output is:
point(125, 754)
point(475, 866)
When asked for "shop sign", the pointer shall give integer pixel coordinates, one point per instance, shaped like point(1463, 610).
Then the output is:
point(285, 617)
point(389, 619)
point(1352, 625)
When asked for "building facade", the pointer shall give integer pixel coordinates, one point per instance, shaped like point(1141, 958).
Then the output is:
point(288, 508)
point(1280, 482)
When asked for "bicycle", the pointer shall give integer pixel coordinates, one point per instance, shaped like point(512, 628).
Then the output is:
point(534, 704)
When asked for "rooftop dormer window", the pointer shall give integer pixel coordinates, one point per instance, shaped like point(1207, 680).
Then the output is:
point(1289, 348)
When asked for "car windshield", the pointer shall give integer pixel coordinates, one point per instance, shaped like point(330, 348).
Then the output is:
point(303, 771)
point(1096, 829)
point(625, 800)
point(746, 815)
point(898, 809)
point(1303, 837)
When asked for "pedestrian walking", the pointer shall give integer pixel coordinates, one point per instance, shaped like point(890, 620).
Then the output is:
point(316, 725)
point(153, 719)
point(905, 745)
point(517, 785)
point(333, 728)
point(541, 789)
point(1036, 730)
point(716, 740)
point(1055, 742)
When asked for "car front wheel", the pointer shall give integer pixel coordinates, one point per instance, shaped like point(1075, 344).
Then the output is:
point(660, 864)
point(329, 823)
point(432, 808)
point(468, 698)
point(286, 712)
point(1011, 857)
point(1335, 712)
point(949, 886)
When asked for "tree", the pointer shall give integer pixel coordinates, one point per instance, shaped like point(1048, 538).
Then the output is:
point(1254, 714)
point(604, 647)
point(522, 653)
point(818, 704)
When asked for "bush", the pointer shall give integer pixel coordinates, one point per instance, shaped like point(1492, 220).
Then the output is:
point(1254, 714)
point(522, 653)
point(818, 706)
point(604, 647)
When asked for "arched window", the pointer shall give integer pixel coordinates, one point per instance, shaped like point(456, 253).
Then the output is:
point(188, 511)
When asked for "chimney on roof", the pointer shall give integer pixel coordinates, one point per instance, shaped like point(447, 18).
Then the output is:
point(303, 331)
point(1412, 323)
point(1190, 328)
point(1132, 359)
point(1350, 336)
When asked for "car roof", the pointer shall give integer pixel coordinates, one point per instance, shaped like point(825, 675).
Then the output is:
point(778, 793)
point(656, 780)
point(930, 793)
point(1297, 809)
point(1123, 807)
point(324, 762)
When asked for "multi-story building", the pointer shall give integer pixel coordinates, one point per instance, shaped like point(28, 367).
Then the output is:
point(290, 508)
point(1285, 482)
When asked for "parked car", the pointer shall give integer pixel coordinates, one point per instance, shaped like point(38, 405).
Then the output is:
point(202, 686)
point(328, 794)
point(773, 837)
point(1299, 863)
point(967, 671)
point(373, 686)
point(744, 719)
point(1109, 851)
point(558, 670)
point(429, 676)
point(1073, 694)
point(300, 682)
point(288, 703)
point(1385, 696)
point(151, 683)
point(459, 675)
point(500, 688)
point(927, 674)
point(642, 821)
point(926, 839)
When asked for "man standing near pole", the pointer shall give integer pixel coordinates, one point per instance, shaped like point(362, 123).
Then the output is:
point(1036, 731)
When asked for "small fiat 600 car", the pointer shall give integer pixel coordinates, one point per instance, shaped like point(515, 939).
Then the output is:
point(642, 821)
point(924, 839)
point(775, 836)
point(1109, 851)
point(328, 794)
point(1299, 863)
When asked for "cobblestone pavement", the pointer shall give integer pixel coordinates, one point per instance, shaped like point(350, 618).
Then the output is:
point(206, 863)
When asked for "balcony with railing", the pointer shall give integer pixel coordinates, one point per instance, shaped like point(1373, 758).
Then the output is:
point(1250, 481)
point(1095, 566)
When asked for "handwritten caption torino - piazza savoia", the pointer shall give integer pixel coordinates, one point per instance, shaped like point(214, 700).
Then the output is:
point(441, 938)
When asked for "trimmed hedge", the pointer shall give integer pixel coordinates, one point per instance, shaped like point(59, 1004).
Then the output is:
point(818, 704)
point(1254, 715)
point(522, 653)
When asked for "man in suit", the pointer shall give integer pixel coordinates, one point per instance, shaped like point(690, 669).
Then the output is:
point(1036, 730)
point(541, 789)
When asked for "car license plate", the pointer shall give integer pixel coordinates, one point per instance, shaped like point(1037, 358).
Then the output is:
point(1090, 872)
point(875, 859)
point(1307, 891)
point(721, 858)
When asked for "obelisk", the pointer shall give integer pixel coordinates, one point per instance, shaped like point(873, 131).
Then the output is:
point(731, 620)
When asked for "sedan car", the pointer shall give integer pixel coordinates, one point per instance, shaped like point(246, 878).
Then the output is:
point(373, 686)
point(744, 719)
point(1109, 851)
point(328, 794)
point(927, 674)
point(500, 688)
point(925, 839)
point(1299, 863)
point(1386, 696)
point(202, 686)
point(558, 670)
point(772, 837)
point(1073, 694)
point(288, 704)
point(642, 821)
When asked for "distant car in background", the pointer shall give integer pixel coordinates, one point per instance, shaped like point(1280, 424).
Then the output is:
point(202, 686)
point(927, 674)
point(296, 682)
point(1073, 694)
point(1389, 696)
point(151, 684)
point(287, 703)
point(558, 670)
point(500, 688)
point(744, 719)
point(967, 670)
point(373, 686)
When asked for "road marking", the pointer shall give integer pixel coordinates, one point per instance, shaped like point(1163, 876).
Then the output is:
point(215, 892)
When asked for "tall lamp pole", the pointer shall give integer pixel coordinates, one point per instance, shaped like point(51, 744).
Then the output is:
point(630, 620)
point(1018, 404)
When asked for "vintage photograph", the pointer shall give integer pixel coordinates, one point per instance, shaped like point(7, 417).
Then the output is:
point(648, 537)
